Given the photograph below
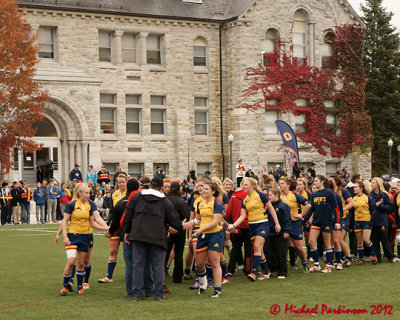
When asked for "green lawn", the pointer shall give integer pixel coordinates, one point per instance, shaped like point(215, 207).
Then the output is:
point(31, 278)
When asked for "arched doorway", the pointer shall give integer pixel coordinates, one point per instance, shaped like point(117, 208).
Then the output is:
point(47, 161)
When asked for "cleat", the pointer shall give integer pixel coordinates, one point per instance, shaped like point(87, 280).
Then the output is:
point(166, 290)
point(374, 260)
point(187, 276)
point(263, 277)
point(396, 259)
point(360, 262)
point(315, 268)
point(105, 280)
point(225, 280)
point(251, 276)
point(327, 270)
point(81, 292)
point(339, 266)
point(230, 274)
point(216, 294)
point(70, 286)
point(85, 286)
point(368, 258)
point(281, 277)
point(63, 291)
point(194, 286)
point(202, 291)
point(347, 264)
point(306, 268)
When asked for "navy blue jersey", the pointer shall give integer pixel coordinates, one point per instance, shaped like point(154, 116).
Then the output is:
point(323, 205)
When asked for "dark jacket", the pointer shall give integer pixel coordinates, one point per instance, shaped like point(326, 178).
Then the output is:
point(147, 217)
point(75, 174)
point(383, 210)
point(285, 220)
point(116, 214)
point(180, 206)
point(16, 196)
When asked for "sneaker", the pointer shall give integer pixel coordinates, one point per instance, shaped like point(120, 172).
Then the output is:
point(187, 276)
point(240, 267)
point(225, 280)
point(360, 262)
point(202, 291)
point(374, 260)
point(315, 268)
point(368, 258)
point(327, 270)
point(63, 291)
point(347, 264)
point(194, 286)
point(339, 266)
point(251, 276)
point(396, 259)
point(263, 277)
point(294, 267)
point(281, 277)
point(70, 286)
point(105, 280)
point(209, 284)
point(230, 274)
point(216, 294)
point(81, 292)
point(166, 290)
point(160, 298)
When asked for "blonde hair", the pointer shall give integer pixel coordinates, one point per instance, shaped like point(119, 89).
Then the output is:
point(367, 186)
point(78, 190)
point(304, 180)
point(228, 180)
point(221, 188)
point(254, 183)
point(382, 189)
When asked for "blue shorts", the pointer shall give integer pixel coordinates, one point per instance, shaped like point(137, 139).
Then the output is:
point(83, 242)
point(296, 233)
point(305, 227)
point(359, 226)
point(324, 227)
point(258, 229)
point(119, 236)
point(344, 223)
point(194, 239)
point(211, 241)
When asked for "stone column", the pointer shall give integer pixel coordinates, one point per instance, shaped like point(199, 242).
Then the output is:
point(311, 26)
point(64, 162)
point(143, 47)
point(71, 146)
point(84, 145)
point(78, 151)
point(117, 47)
point(20, 164)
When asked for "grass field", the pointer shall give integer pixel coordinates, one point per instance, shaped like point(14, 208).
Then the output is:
point(31, 278)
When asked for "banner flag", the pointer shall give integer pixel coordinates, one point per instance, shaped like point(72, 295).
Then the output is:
point(290, 142)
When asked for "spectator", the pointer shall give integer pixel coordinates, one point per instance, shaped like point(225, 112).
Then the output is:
point(119, 171)
point(52, 192)
point(65, 197)
point(311, 170)
point(99, 202)
point(103, 176)
point(25, 202)
point(75, 173)
point(240, 172)
point(296, 169)
point(15, 202)
point(249, 173)
point(5, 201)
point(106, 204)
point(39, 196)
point(91, 175)
point(278, 173)
point(159, 173)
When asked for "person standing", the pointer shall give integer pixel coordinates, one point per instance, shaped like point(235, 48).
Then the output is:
point(75, 174)
point(147, 216)
point(311, 170)
point(240, 172)
point(52, 193)
point(103, 176)
point(39, 196)
point(15, 202)
point(65, 196)
point(26, 197)
point(5, 200)
point(91, 174)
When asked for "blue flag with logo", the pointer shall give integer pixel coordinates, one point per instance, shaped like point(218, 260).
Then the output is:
point(289, 141)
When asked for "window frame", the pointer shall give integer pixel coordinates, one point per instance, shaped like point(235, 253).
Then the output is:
point(53, 30)
point(110, 34)
point(102, 123)
point(204, 46)
point(278, 113)
point(196, 124)
point(163, 122)
point(139, 110)
point(160, 43)
point(134, 35)
point(141, 164)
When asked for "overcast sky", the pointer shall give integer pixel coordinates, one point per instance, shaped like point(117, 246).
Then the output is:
point(390, 5)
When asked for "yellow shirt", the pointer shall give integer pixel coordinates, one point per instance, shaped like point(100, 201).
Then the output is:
point(80, 213)
point(195, 202)
point(207, 211)
point(255, 207)
point(117, 195)
point(293, 200)
point(361, 208)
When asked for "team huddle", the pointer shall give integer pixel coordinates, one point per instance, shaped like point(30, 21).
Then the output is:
point(269, 218)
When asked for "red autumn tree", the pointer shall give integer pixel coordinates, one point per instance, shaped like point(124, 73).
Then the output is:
point(21, 98)
point(282, 78)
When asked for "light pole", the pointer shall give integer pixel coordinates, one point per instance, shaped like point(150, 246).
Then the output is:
point(230, 139)
point(390, 145)
point(398, 161)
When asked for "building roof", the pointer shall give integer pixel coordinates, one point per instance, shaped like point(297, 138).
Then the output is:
point(209, 10)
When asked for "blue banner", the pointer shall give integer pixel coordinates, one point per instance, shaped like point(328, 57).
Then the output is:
point(290, 143)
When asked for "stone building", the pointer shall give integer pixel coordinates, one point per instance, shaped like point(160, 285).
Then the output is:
point(146, 83)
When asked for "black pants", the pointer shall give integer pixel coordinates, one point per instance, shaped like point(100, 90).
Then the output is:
point(320, 244)
point(5, 213)
point(238, 240)
point(238, 181)
point(276, 252)
point(378, 236)
point(352, 243)
point(179, 240)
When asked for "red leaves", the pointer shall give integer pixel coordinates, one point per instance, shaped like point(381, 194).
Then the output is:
point(21, 98)
point(284, 79)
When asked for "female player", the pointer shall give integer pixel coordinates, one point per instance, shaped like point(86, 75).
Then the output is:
point(323, 202)
point(348, 203)
point(294, 201)
point(210, 236)
point(253, 206)
point(364, 209)
point(228, 186)
point(301, 189)
point(79, 237)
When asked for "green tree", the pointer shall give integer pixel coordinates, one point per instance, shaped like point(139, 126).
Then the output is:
point(382, 67)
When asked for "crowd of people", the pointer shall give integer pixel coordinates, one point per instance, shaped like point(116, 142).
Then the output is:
point(271, 217)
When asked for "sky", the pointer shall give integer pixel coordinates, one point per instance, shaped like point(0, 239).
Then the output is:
point(390, 5)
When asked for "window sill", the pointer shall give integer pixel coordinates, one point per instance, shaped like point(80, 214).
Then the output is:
point(156, 68)
point(132, 136)
point(106, 65)
point(108, 137)
point(158, 137)
point(131, 67)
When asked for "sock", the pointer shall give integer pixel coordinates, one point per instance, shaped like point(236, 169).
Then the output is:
point(167, 267)
point(360, 251)
point(304, 263)
point(256, 263)
point(398, 250)
point(371, 249)
point(79, 278)
point(218, 288)
point(263, 265)
point(110, 268)
point(329, 256)
point(292, 255)
point(308, 251)
point(223, 267)
point(203, 279)
point(88, 269)
point(71, 279)
point(187, 271)
point(210, 275)
point(349, 258)
point(66, 280)
point(314, 254)
point(197, 274)
point(338, 256)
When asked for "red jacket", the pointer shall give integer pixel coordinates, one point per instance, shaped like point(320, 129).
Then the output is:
point(235, 207)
